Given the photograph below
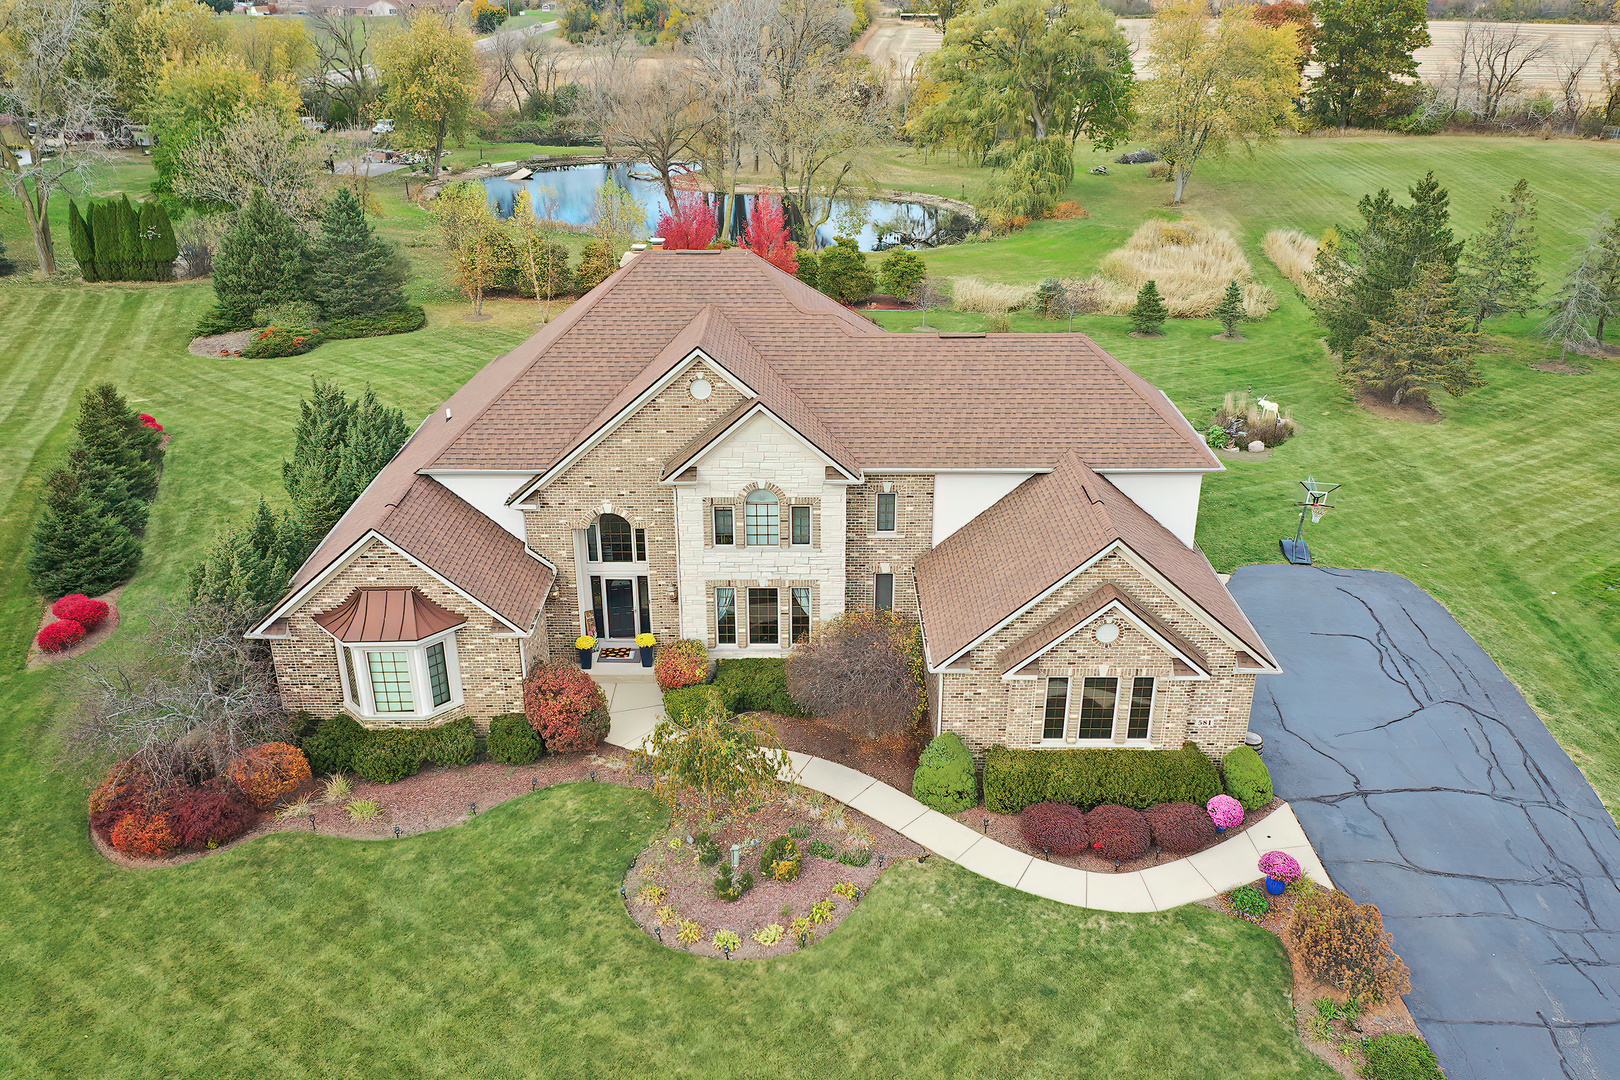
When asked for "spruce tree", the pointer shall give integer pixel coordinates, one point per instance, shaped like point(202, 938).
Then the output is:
point(1425, 346)
point(109, 487)
point(249, 566)
point(159, 248)
point(113, 435)
point(77, 545)
point(1148, 313)
point(354, 272)
point(1584, 300)
point(1230, 310)
point(375, 434)
point(1499, 262)
point(84, 251)
point(311, 476)
point(262, 262)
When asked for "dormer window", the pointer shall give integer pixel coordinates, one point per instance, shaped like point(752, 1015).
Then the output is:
point(761, 515)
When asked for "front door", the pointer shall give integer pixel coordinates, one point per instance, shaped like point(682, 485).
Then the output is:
point(621, 608)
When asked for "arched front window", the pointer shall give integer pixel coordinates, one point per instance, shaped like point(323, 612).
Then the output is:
point(610, 539)
point(762, 519)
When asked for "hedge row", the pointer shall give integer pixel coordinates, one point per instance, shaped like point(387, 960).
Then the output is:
point(341, 745)
point(1014, 779)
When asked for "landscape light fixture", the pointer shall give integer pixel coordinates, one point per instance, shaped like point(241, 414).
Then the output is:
point(987, 826)
point(592, 775)
point(658, 932)
point(1315, 504)
point(396, 832)
point(534, 783)
point(472, 809)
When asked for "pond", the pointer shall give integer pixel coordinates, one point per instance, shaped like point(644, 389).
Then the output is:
point(875, 223)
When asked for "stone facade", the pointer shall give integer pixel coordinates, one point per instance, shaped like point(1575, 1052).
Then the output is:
point(870, 551)
point(986, 709)
point(491, 666)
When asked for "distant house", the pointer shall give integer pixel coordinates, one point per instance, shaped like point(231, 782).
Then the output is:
point(705, 447)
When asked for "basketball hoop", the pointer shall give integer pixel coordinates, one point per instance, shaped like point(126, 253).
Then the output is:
point(1316, 505)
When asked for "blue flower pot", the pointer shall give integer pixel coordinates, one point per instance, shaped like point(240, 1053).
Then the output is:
point(1275, 886)
point(647, 656)
point(1220, 828)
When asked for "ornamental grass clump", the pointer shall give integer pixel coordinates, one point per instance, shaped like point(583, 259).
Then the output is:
point(1225, 812)
point(1055, 828)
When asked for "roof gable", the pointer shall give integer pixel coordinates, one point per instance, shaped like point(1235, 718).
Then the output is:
point(1081, 613)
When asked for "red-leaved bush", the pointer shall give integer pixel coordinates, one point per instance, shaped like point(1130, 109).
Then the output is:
point(81, 609)
point(151, 422)
point(1180, 827)
point(124, 791)
point(1118, 832)
point(1057, 827)
point(60, 636)
point(767, 235)
point(268, 771)
point(566, 707)
point(682, 664)
point(689, 225)
point(144, 832)
point(201, 815)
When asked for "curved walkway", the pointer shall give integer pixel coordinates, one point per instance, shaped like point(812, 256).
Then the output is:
point(637, 706)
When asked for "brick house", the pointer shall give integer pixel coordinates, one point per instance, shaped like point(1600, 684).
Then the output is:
point(704, 447)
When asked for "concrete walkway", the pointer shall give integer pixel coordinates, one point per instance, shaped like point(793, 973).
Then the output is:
point(637, 707)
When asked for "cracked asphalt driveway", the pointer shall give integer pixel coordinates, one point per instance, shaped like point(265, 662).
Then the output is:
point(1429, 787)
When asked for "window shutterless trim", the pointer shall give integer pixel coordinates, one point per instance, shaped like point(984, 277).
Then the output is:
point(800, 519)
point(726, 537)
point(887, 515)
point(1055, 720)
point(725, 616)
point(883, 592)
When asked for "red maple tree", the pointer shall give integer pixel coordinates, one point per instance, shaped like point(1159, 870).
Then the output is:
point(767, 235)
point(688, 225)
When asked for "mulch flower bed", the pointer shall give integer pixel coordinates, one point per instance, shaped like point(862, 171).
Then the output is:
point(1005, 828)
point(1339, 1050)
point(891, 761)
point(668, 887)
point(220, 345)
point(38, 657)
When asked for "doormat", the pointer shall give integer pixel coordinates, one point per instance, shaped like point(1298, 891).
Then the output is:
point(614, 653)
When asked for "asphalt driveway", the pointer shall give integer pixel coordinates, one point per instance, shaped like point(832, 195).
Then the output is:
point(1430, 788)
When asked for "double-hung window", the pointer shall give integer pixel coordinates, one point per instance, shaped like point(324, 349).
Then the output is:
point(725, 616)
point(401, 681)
point(763, 617)
point(724, 518)
point(886, 511)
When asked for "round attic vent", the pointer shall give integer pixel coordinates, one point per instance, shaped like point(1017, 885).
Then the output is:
point(701, 389)
point(1106, 634)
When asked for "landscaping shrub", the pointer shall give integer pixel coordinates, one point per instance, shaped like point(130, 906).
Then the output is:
point(1248, 901)
point(512, 741)
point(863, 671)
point(708, 849)
point(1118, 832)
point(1399, 1057)
point(332, 748)
point(684, 663)
point(1224, 811)
point(1294, 254)
point(1013, 779)
point(387, 760)
point(728, 888)
point(268, 771)
point(989, 298)
point(142, 832)
point(856, 857)
point(821, 850)
point(781, 860)
point(944, 779)
point(901, 272)
point(755, 685)
point(1344, 944)
point(201, 817)
point(407, 319)
point(450, 744)
point(1180, 827)
point(60, 636)
point(685, 705)
point(843, 273)
point(566, 707)
point(81, 609)
point(1247, 778)
point(275, 341)
point(1057, 828)
point(1246, 421)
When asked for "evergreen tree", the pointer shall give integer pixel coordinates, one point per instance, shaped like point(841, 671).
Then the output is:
point(106, 242)
point(311, 477)
point(375, 434)
point(109, 487)
point(84, 251)
point(1424, 346)
point(159, 249)
point(113, 435)
point(1586, 298)
point(1148, 313)
point(1607, 277)
point(843, 273)
point(1230, 310)
point(809, 270)
point(355, 273)
point(1499, 261)
point(1360, 275)
point(129, 240)
point(77, 545)
point(250, 566)
point(901, 272)
point(263, 262)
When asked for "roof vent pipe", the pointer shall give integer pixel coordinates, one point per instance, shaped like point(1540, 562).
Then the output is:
point(655, 242)
point(447, 415)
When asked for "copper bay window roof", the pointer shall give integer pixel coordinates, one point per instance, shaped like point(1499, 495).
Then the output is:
point(387, 615)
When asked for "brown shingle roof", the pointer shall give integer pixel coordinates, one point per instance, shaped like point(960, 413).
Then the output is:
point(387, 615)
point(1037, 640)
point(1040, 533)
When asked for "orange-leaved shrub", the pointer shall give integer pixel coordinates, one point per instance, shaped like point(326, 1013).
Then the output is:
point(566, 707)
point(1344, 944)
point(144, 832)
point(682, 664)
point(268, 771)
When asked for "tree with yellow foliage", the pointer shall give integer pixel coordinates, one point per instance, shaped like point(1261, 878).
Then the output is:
point(429, 76)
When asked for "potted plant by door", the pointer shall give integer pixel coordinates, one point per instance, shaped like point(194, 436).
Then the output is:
point(1281, 870)
point(645, 643)
point(585, 643)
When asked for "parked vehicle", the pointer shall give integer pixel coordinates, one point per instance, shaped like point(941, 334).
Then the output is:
point(383, 127)
point(312, 125)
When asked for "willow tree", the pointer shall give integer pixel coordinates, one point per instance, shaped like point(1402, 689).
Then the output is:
point(1213, 84)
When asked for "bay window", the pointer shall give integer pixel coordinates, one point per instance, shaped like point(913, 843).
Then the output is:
point(401, 681)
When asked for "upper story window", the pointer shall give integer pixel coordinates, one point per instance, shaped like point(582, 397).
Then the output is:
point(724, 524)
point(611, 539)
point(885, 511)
point(762, 518)
point(801, 524)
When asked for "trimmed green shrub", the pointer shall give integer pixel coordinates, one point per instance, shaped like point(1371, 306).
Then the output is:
point(730, 889)
point(409, 318)
point(1399, 1057)
point(333, 746)
point(512, 741)
point(1014, 779)
point(944, 779)
point(387, 760)
point(755, 685)
point(684, 705)
point(1247, 778)
point(821, 850)
point(450, 744)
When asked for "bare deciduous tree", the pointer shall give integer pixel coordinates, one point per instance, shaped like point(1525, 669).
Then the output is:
point(341, 68)
point(728, 48)
point(814, 133)
point(258, 150)
point(526, 65)
point(50, 106)
point(1571, 64)
point(658, 115)
point(1491, 58)
point(200, 694)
